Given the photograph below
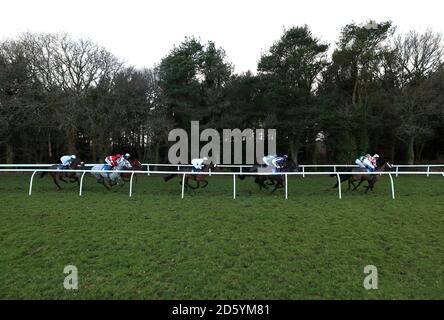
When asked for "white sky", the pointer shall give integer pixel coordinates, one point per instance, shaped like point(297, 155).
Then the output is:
point(141, 32)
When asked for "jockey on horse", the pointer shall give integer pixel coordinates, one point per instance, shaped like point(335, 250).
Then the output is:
point(66, 161)
point(367, 162)
point(198, 164)
point(274, 162)
point(111, 162)
point(117, 162)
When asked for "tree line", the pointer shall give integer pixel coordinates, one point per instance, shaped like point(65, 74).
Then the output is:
point(374, 91)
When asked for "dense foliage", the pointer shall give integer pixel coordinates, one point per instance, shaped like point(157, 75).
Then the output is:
point(375, 91)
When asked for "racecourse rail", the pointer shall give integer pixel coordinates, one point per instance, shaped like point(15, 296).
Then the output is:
point(240, 167)
point(234, 174)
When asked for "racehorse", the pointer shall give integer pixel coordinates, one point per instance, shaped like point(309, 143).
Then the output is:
point(135, 165)
point(352, 178)
point(371, 178)
point(112, 178)
point(196, 177)
point(263, 181)
point(72, 176)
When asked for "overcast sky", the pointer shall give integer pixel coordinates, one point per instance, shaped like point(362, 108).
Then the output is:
point(142, 32)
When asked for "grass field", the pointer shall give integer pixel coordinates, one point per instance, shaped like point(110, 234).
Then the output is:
point(208, 246)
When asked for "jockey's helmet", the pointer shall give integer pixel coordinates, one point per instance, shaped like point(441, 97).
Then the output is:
point(285, 156)
point(205, 158)
point(376, 155)
point(127, 155)
point(73, 156)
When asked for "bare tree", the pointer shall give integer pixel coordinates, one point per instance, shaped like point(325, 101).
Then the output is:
point(68, 68)
point(418, 57)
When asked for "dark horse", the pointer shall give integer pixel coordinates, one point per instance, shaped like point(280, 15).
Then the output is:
point(276, 180)
point(352, 178)
point(196, 177)
point(71, 176)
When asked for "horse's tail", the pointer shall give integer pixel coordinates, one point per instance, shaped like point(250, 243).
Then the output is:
point(169, 177)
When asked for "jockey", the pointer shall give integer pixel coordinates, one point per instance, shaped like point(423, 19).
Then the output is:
point(66, 161)
point(268, 159)
point(360, 161)
point(125, 157)
point(279, 162)
point(367, 162)
point(374, 159)
point(111, 162)
point(198, 164)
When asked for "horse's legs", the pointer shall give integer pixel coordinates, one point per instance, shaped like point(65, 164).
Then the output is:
point(262, 184)
point(187, 183)
point(276, 186)
point(106, 184)
point(206, 183)
point(258, 182)
point(362, 179)
point(61, 178)
point(279, 184)
point(55, 181)
point(353, 184)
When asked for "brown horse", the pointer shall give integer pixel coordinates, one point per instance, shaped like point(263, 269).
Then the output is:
point(72, 176)
point(371, 178)
point(196, 177)
point(136, 165)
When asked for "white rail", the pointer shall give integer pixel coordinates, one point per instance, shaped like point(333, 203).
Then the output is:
point(234, 174)
point(241, 167)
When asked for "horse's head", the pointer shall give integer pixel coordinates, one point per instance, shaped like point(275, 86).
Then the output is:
point(290, 165)
point(80, 165)
point(213, 166)
point(76, 163)
point(386, 167)
point(136, 164)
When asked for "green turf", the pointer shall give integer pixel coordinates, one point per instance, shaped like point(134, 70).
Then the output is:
point(208, 246)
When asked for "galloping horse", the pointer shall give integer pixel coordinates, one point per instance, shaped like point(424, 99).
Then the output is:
point(112, 178)
point(263, 181)
point(72, 176)
point(196, 177)
point(346, 175)
point(371, 178)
